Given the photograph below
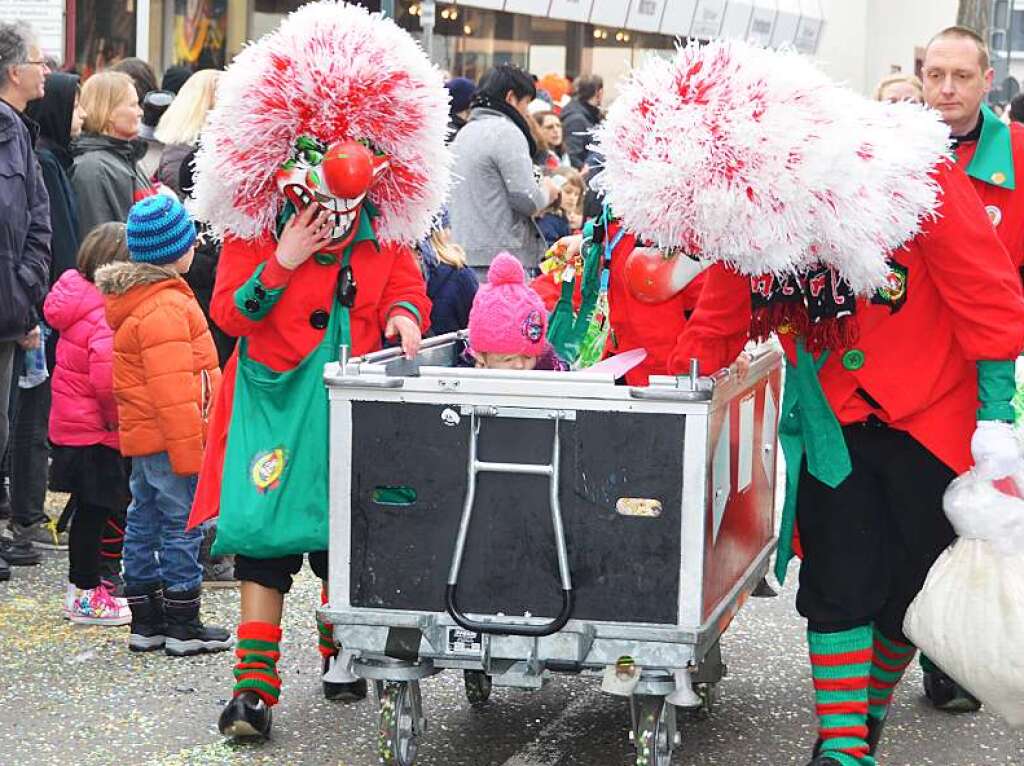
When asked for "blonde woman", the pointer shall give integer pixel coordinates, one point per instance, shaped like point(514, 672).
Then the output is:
point(900, 87)
point(105, 175)
point(179, 127)
point(451, 286)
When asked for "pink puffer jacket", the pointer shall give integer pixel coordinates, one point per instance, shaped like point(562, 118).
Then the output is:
point(84, 411)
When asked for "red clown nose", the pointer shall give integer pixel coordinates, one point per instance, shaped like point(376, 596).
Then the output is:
point(348, 169)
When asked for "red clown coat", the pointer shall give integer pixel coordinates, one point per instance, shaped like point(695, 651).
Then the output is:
point(995, 163)
point(388, 280)
point(954, 298)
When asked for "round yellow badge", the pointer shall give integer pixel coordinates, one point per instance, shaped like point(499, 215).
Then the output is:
point(998, 178)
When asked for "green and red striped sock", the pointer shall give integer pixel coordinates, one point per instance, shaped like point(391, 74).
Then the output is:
point(841, 666)
point(326, 645)
point(258, 650)
point(888, 663)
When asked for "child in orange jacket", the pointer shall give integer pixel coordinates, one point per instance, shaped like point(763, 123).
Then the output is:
point(165, 376)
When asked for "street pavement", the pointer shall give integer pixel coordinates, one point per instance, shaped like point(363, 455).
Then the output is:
point(76, 696)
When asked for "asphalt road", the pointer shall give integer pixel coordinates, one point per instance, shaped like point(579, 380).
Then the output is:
point(75, 695)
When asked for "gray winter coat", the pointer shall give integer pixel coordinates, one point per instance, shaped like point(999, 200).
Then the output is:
point(24, 228)
point(107, 179)
point(495, 194)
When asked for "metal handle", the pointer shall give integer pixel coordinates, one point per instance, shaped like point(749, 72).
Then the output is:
point(451, 591)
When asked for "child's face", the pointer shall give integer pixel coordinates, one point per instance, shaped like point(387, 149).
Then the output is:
point(492, 361)
point(183, 264)
point(570, 199)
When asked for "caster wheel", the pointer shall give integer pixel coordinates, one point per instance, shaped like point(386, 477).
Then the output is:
point(653, 730)
point(478, 687)
point(396, 732)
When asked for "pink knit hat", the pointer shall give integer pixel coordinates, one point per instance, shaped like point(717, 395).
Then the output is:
point(507, 316)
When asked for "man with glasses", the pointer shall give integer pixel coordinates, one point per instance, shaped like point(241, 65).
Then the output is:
point(24, 211)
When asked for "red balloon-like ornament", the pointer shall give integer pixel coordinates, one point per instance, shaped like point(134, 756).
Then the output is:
point(348, 169)
point(652, 277)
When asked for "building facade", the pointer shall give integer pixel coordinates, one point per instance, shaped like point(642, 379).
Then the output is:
point(855, 41)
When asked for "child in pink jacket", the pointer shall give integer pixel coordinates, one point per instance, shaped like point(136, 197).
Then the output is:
point(86, 453)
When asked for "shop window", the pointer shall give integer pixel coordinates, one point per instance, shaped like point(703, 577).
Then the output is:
point(200, 33)
point(104, 34)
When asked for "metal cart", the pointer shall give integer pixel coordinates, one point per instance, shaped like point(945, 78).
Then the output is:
point(514, 524)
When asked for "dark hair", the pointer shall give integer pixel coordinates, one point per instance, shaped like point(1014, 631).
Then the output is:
point(1017, 108)
point(105, 244)
point(499, 80)
point(587, 86)
point(142, 74)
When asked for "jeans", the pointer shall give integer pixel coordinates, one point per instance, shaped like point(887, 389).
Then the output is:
point(157, 548)
point(30, 454)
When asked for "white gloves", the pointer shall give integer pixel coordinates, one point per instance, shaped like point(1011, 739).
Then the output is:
point(996, 450)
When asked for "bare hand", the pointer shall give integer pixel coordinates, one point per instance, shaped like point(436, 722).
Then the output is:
point(304, 235)
point(741, 367)
point(572, 244)
point(407, 330)
point(31, 341)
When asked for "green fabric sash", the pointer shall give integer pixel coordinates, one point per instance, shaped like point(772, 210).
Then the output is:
point(808, 428)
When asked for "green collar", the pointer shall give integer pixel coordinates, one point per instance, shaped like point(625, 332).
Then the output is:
point(993, 159)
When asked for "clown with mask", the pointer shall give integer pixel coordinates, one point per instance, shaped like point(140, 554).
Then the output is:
point(841, 226)
point(322, 163)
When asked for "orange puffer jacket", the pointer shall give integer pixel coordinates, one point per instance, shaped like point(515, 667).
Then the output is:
point(165, 363)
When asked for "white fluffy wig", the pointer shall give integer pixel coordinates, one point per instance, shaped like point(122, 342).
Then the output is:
point(755, 158)
point(333, 71)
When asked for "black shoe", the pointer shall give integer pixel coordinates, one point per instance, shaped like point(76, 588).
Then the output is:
point(186, 634)
point(246, 715)
point(5, 571)
point(946, 694)
point(346, 692)
point(20, 553)
point(875, 727)
point(148, 628)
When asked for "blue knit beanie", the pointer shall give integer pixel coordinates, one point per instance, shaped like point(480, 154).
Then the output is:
point(159, 230)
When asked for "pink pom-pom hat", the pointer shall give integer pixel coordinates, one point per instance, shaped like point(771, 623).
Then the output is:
point(507, 317)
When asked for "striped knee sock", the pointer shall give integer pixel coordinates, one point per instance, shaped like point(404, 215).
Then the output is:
point(326, 645)
point(888, 663)
point(258, 650)
point(841, 665)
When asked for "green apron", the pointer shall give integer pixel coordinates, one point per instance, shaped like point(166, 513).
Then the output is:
point(274, 487)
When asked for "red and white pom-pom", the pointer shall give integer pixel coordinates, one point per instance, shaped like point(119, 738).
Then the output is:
point(333, 71)
point(755, 158)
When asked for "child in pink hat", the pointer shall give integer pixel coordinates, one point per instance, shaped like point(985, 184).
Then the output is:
point(508, 323)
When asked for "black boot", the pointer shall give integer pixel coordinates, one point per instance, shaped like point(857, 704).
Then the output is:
point(875, 726)
point(946, 694)
point(246, 715)
point(186, 634)
point(147, 605)
point(5, 571)
point(342, 692)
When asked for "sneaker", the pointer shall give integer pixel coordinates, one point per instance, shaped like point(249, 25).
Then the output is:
point(95, 607)
point(42, 535)
point(20, 553)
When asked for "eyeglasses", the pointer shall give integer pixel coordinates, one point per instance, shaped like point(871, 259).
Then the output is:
point(40, 62)
point(346, 287)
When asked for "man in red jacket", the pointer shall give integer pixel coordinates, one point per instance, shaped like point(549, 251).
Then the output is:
point(957, 77)
point(322, 163)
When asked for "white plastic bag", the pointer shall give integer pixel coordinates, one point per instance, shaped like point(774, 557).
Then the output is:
point(969, 617)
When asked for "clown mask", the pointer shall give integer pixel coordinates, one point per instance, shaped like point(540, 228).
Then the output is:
point(336, 177)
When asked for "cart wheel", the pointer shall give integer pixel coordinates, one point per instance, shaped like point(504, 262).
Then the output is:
point(396, 733)
point(653, 730)
point(478, 687)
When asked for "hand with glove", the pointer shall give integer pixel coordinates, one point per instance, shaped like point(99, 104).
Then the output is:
point(995, 446)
